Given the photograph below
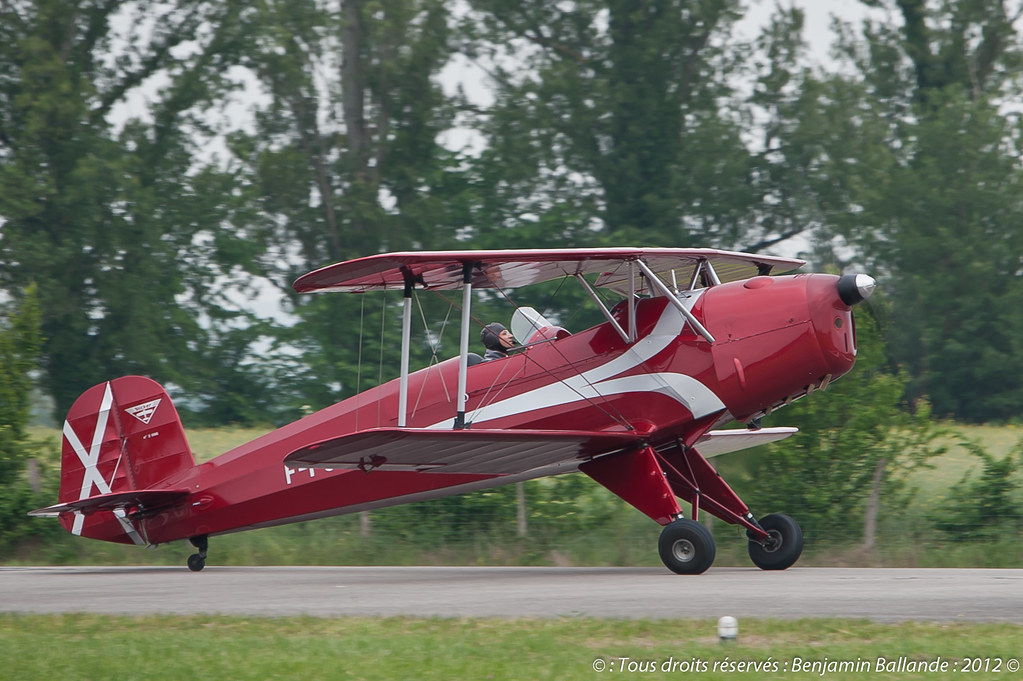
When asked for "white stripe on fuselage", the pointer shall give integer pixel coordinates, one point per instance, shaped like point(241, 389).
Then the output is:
point(599, 382)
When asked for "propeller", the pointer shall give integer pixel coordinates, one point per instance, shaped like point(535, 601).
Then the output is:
point(855, 288)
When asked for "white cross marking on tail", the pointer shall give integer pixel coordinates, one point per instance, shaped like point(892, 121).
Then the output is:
point(90, 458)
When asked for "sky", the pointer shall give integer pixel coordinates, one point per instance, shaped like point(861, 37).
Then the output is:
point(818, 18)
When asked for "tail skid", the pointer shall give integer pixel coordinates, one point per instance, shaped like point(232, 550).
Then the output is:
point(123, 448)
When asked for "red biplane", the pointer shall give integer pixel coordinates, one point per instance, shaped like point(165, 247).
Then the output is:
point(698, 339)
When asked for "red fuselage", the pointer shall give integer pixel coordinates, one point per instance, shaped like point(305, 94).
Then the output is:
point(775, 339)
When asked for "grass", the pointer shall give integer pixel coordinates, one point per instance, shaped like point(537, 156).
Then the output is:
point(906, 535)
point(171, 648)
point(206, 443)
point(946, 470)
point(77, 646)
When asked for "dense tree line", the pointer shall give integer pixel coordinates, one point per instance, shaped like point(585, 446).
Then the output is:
point(163, 163)
point(165, 167)
point(19, 356)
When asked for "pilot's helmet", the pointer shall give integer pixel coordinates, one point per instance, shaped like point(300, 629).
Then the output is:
point(490, 335)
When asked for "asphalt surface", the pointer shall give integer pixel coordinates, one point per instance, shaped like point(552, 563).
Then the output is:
point(886, 595)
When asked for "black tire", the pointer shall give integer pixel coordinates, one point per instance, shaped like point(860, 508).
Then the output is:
point(784, 546)
point(686, 547)
point(196, 562)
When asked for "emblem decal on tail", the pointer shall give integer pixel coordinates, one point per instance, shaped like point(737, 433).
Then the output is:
point(144, 412)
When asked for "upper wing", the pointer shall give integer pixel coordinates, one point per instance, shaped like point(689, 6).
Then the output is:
point(515, 268)
point(480, 451)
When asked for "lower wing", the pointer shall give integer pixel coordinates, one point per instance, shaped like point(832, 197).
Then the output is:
point(479, 451)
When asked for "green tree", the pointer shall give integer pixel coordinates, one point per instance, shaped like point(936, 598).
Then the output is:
point(345, 162)
point(985, 504)
point(617, 122)
point(929, 165)
point(20, 345)
point(111, 214)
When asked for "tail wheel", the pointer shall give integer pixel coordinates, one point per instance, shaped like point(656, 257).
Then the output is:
point(686, 547)
point(783, 545)
point(197, 561)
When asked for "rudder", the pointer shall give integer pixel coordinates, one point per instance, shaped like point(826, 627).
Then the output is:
point(120, 437)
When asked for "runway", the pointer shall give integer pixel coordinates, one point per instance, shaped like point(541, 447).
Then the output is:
point(884, 595)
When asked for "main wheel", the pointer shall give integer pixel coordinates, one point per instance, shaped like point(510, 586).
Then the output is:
point(783, 546)
point(196, 562)
point(686, 547)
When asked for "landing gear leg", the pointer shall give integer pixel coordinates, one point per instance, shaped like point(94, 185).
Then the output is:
point(197, 561)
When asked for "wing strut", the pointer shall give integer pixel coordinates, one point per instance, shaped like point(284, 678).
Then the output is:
point(463, 348)
point(406, 334)
point(603, 308)
point(666, 292)
point(632, 301)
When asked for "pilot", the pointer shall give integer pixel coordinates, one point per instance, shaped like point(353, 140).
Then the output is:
point(497, 340)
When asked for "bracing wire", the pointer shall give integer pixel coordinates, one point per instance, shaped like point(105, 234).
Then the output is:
point(604, 407)
point(434, 347)
point(380, 367)
point(617, 415)
point(358, 369)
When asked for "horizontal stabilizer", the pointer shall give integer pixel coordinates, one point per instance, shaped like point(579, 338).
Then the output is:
point(484, 452)
point(147, 499)
point(718, 442)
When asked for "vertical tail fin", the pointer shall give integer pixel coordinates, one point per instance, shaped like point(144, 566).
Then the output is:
point(122, 440)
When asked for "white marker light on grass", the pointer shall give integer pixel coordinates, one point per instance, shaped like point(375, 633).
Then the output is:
point(728, 628)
